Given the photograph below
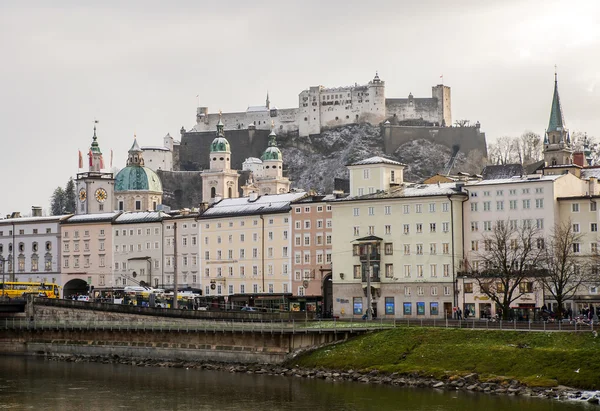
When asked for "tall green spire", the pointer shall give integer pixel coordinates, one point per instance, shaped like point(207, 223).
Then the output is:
point(95, 148)
point(557, 121)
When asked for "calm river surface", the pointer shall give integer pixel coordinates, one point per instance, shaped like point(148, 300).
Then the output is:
point(37, 384)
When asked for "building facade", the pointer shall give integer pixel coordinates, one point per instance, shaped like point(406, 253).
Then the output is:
point(30, 249)
point(312, 226)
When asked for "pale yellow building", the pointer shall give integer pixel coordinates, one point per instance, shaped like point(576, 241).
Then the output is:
point(246, 250)
point(414, 235)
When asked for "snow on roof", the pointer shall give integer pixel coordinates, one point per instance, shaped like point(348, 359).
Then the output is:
point(590, 172)
point(377, 160)
point(91, 218)
point(244, 206)
point(253, 160)
point(155, 148)
point(414, 190)
point(257, 108)
point(517, 179)
point(140, 217)
point(24, 220)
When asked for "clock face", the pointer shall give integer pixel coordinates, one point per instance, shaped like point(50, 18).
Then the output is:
point(82, 195)
point(101, 195)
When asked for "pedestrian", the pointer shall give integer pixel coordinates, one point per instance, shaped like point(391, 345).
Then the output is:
point(459, 313)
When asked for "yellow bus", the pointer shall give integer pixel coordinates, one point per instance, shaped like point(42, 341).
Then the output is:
point(21, 289)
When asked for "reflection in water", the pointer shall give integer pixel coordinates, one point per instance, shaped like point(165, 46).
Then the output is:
point(30, 383)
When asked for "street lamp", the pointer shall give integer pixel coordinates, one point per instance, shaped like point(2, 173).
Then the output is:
point(463, 292)
point(3, 262)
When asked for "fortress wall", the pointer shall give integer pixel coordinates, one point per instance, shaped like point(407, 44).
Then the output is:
point(467, 138)
point(416, 108)
point(195, 148)
point(285, 120)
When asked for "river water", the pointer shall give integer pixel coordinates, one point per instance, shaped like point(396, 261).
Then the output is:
point(38, 384)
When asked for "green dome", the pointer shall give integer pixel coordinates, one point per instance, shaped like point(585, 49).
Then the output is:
point(271, 153)
point(220, 144)
point(137, 178)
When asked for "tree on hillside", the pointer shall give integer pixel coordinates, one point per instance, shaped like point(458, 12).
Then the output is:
point(70, 197)
point(503, 151)
point(510, 257)
point(528, 147)
point(566, 269)
point(57, 201)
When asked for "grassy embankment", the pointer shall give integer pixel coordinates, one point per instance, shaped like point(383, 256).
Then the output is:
point(534, 358)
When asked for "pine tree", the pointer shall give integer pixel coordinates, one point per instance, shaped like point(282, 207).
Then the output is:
point(70, 197)
point(57, 202)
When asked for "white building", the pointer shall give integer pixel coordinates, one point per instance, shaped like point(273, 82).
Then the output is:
point(30, 249)
point(160, 158)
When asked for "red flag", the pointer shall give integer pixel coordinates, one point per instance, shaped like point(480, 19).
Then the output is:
point(80, 160)
point(101, 162)
point(90, 156)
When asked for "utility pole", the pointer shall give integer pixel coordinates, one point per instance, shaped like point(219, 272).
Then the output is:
point(369, 314)
point(175, 283)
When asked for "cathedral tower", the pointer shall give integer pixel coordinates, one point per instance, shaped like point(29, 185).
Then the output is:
point(95, 188)
point(271, 181)
point(220, 180)
point(557, 141)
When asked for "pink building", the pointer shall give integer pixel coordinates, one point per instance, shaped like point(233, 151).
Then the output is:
point(311, 254)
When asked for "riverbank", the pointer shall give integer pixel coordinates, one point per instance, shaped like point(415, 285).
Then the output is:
point(468, 383)
point(533, 359)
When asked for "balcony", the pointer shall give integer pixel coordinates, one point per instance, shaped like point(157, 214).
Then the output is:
point(374, 256)
point(374, 278)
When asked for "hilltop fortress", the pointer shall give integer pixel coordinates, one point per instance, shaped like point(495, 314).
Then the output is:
point(320, 108)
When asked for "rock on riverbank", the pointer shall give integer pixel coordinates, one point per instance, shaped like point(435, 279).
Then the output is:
point(470, 382)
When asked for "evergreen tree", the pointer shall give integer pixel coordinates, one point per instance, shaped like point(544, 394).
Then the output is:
point(70, 197)
point(57, 202)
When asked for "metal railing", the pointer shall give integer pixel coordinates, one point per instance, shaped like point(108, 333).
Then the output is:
point(293, 326)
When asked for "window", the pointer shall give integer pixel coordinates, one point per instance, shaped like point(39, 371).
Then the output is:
point(433, 270)
point(419, 271)
point(406, 249)
point(388, 229)
point(371, 230)
point(356, 231)
point(473, 206)
point(356, 212)
point(594, 248)
point(387, 210)
point(499, 192)
point(432, 207)
point(366, 174)
point(406, 209)
point(446, 248)
point(357, 273)
point(575, 207)
point(486, 193)
point(389, 270)
point(474, 245)
point(445, 207)
point(420, 290)
point(418, 208)
point(419, 249)
point(407, 271)
point(499, 205)
point(526, 287)
point(432, 227)
point(540, 243)
point(406, 228)
point(539, 203)
point(526, 204)
point(576, 248)
point(594, 226)
point(446, 290)
point(419, 228)
point(445, 227)
point(593, 206)
point(487, 205)
point(371, 210)
point(446, 270)
point(389, 248)
point(474, 226)
point(432, 249)
point(576, 228)
point(406, 292)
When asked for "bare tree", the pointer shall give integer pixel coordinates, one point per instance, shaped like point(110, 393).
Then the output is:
point(462, 123)
point(528, 147)
point(503, 151)
point(565, 268)
point(510, 257)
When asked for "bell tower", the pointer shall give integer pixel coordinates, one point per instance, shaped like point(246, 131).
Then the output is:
point(557, 140)
point(220, 180)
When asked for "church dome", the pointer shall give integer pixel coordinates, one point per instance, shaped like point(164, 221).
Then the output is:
point(220, 144)
point(137, 178)
point(272, 152)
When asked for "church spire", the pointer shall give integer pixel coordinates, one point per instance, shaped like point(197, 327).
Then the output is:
point(268, 102)
point(557, 121)
point(220, 126)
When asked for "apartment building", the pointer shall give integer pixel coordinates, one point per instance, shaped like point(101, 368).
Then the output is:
point(246, 250)
point(181, 235)
point(311, 249)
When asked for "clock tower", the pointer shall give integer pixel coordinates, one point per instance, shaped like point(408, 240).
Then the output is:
point(95, 188)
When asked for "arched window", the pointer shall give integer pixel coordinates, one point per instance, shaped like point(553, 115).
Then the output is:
point(229, 192)
point(553, 161)
point(213, 192)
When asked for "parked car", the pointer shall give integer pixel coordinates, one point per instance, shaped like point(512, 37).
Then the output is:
point(248, 308)
point(85, 298)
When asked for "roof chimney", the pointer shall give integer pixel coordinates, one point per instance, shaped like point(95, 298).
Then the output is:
point(36, 211)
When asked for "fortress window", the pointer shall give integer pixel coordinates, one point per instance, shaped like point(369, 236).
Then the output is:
point(214, 158)
point(337, 118)
point(347, 117)
point(221, 158)
point(227, 158)
point(266, 166)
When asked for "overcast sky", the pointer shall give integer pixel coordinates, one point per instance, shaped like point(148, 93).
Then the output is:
point(137, 67)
